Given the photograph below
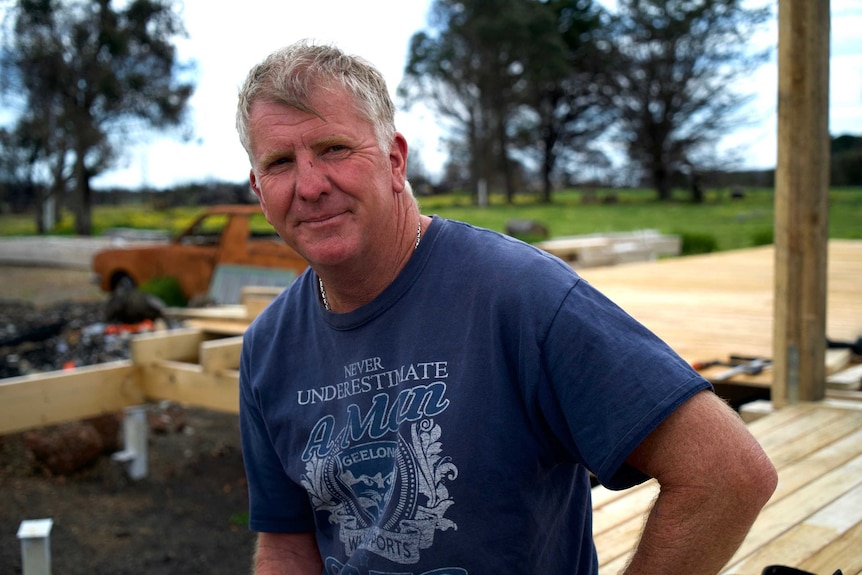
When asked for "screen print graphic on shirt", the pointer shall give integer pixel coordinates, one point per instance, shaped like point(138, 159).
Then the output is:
point(382, 476)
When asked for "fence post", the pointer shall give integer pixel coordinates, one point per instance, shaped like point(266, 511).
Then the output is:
point(35, 537)
point(134, 455)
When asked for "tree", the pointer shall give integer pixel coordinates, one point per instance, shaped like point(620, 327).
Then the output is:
point(563, 112)
point(456, 69)
point(677, 61)
point(86, 75)
point(846, 156)
point(16, 188)
point(511, 76)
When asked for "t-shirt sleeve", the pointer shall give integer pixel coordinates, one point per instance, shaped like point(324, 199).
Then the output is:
point(612, 381)
point(276, 503)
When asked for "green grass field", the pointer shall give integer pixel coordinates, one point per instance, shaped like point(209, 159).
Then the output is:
point(720, 222)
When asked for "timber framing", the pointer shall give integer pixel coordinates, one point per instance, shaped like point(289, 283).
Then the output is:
point(188, 366)
point(704, 307)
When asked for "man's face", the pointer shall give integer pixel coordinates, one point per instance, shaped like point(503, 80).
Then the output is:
point(323, 182)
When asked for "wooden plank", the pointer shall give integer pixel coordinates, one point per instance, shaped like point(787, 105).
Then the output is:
point(848, 379)
point(778, 517)
point(778, 441)
point(221, 354)
point(189, 384)
point(715, 305)
point(613, 513)
point(795, 475)
point(218, 327)
point(616, 566)
point(809, 439)
point(781, 420)
point(849, 401)
point(178, 344)
point(60, 396)
point(817, 449)
point(256, 298)
point(837, 360)
point(755, 410)
point(616, 545)
point(602, 495)
point(801, 202)
point(612, 248)
point(152, 374)
point(809, 536)
point(848, 395)
point(234, 312)
point(841, 553)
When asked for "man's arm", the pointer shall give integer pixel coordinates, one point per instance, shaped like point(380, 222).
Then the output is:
point(714, 479)
point(287, 554)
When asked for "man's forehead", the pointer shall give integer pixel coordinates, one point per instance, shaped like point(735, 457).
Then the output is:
point(323, 101)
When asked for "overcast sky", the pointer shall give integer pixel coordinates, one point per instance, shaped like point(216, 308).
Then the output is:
point(226, 43)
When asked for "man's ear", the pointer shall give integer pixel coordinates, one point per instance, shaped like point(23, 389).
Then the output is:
point(398, 161)
point(255, 187)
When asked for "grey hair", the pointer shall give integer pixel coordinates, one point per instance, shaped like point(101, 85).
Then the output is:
point(291, 75)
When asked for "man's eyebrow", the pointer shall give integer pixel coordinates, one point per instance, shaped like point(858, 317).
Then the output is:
point(331, 140)
point(273, 155)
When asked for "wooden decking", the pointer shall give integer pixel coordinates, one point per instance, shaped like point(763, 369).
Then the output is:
point(716, 305)
point(812, 522)
point(706, 307)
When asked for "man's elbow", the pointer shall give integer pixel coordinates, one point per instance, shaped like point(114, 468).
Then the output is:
point(756, 481)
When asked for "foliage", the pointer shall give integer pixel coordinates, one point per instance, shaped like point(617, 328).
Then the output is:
point(697, 243)
point(763, 237)
point(562, 112)
point(239, 519)
point(846, 160)
point(507, 75)
point(167, 289)
point(537, 81)
point(735, 224)
point(676, 61)
point(83, 76)
point(137, 217)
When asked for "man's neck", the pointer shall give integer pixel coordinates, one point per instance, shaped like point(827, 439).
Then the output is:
point(348, 287)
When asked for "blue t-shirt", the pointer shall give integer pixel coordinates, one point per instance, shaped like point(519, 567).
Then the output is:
point(450, 425)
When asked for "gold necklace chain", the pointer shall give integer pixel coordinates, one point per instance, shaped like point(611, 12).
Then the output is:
point(320, 281)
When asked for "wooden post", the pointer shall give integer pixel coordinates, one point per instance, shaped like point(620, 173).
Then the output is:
point(801, 201)
point(135, 439)
point(35, 537)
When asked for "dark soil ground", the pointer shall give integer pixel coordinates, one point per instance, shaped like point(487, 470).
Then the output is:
point(188, 516)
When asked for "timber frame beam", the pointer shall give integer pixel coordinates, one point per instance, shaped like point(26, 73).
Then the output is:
point(186, 366)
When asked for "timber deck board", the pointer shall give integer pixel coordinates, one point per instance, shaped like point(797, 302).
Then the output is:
point(813, 520)
point(715, 305)
point(705, 307)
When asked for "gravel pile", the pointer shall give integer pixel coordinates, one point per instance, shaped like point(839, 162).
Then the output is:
point(62, 335)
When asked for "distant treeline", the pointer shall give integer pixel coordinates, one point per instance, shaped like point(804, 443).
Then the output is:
point(846, 170)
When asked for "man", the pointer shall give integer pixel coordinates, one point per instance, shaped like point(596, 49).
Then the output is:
point(430, 397)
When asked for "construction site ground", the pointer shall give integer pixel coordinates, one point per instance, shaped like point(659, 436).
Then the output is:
point(187, 517)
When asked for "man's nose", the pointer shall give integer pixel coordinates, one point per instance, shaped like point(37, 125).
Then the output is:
point(311, 181)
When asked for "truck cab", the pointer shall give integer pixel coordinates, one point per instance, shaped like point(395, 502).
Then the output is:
point(225, 236)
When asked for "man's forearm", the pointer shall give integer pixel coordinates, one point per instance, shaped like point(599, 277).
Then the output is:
point(690, 533)
point(714, 478)
point(287, 554)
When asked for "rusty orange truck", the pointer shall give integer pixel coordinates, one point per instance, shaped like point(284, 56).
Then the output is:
point(225, 240)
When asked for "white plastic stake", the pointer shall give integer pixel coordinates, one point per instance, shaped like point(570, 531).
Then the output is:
point(35, 536)
point(134, 454)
